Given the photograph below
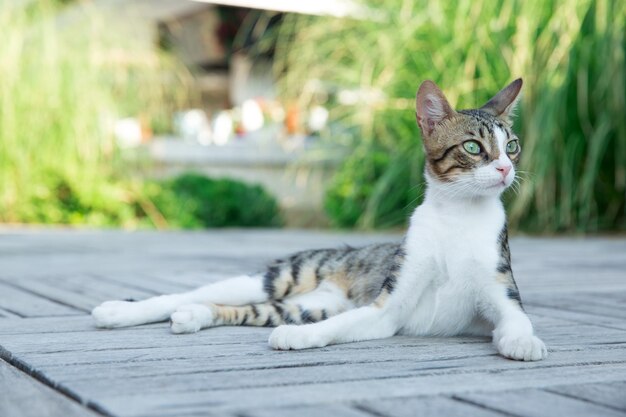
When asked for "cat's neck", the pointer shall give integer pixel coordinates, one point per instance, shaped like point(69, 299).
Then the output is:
point(466, 218)
point(441, 197)
point(445, 202)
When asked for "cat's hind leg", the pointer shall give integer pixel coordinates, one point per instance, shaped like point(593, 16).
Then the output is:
point(297, 274)
point(325, 301)
point(239, 290)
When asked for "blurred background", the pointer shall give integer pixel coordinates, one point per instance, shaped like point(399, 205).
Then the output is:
point(263, 113)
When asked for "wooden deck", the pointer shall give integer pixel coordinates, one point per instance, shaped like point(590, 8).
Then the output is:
point(55, 363)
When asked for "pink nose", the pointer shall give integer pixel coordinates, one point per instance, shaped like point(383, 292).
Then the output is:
point(504, 170)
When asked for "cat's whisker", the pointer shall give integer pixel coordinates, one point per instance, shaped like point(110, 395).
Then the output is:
point(515, 187)
point(422, 191)
point(525, 176)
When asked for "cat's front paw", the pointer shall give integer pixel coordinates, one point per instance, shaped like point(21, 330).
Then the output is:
point(522, 348)
point(111, 314)
point(191, 318)
point(295, 337)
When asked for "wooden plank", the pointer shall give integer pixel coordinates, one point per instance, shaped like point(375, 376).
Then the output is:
point(118, 379)
point(425, 407)
point(82, 292)
point(5, 314)
point(23, 396)
point(147, 282)
point(38, 326)
point(237, 400)
point(575, 316)
point(610, 395)
point(619, 296)
point(75, 340)
point(193, 351)
point(62, 253)
point(194, 279)
point(88, 347)
point(334, 410)
point(157, 365)
point(560, 266)
point(537, 403)
point(91, 339)
point(25, 304)
point(584, 303)
point(146, 371)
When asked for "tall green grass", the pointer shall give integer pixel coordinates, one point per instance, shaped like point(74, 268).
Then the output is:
point(65, 76)
point(570, 54)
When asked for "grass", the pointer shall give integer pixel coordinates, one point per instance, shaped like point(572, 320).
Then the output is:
point(570, 54)
point(66, 75)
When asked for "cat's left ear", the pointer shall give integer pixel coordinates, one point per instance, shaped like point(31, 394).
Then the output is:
point(503, 104)
point(431, 107)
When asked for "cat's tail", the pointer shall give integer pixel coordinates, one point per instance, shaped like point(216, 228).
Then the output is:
point(191, 318)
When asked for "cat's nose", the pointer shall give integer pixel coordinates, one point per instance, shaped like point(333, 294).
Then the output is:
point(504, 170)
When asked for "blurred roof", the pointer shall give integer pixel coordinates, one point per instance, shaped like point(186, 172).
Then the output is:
point(157, 10)
point(338, 8)
point(167, 9)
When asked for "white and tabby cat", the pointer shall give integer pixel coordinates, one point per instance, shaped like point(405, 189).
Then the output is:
point(451, 275)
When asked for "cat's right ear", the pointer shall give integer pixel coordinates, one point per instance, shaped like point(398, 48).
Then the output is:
point(431, 107)
point(503, 104)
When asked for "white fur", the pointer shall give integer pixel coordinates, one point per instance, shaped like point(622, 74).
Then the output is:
point(363, 323)
point(447, 284)
point(366, 321)
point(190, 318)
point(234, 291)
point(327, 296)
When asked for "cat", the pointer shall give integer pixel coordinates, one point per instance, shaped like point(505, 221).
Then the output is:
point(451, 274)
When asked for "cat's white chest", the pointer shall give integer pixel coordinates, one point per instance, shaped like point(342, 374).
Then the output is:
point(461, 248)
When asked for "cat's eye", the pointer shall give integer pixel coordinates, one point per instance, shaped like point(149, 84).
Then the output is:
point(472, 147)
point(512, 147)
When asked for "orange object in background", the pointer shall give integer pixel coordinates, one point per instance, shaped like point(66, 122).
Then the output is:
point(146, 129)
point(292, 119)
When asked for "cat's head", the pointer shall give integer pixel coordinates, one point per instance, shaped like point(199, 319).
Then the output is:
point(469, 152)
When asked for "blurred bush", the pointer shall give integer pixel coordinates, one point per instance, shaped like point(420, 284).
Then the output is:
point(66, 74)
point(569, 52)
point(373, 187)
point(195, 201)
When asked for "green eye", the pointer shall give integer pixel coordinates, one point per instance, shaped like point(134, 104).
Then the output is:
point(512, 147)
point(472, 147)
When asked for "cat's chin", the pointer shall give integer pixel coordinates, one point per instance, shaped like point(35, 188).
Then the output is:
point(472, 188)
point(473, 195)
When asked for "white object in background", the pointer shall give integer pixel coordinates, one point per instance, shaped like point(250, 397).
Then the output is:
point(222, 128)
point(251, 116)
point(318, 117)
point(336, 8)
point(370, 96)
point(128, 132)
point(194, 126)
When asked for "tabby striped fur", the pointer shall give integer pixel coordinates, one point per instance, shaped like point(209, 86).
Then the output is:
point(364, 275)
